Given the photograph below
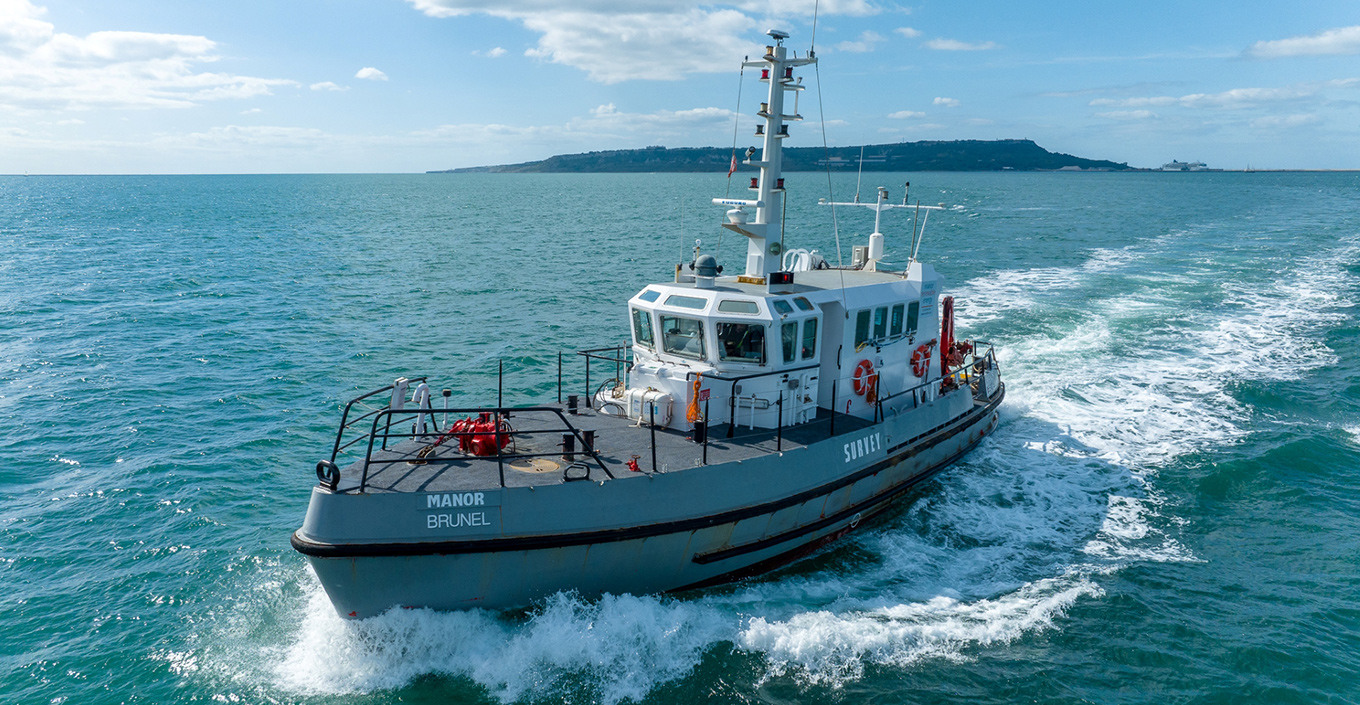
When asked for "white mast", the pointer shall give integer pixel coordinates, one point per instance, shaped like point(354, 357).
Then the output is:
point(767, 230)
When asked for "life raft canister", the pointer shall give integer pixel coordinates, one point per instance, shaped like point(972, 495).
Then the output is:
point(920, 361)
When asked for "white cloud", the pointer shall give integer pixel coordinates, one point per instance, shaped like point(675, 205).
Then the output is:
point(252, 111)
point(906, 114)
point(621, 40)
point(609, 115)
point(1337, 42)
point(493, 53)
point(1128, 115)
point(1235, 98)
point(368, 73)
point(232, 137)
point(956, 45)
point(908, 32)
point(1285, 121)
point(604, 123)
point(508, 8)
point(41, 68)
point(947, 102)
point(638, 46)
point(328, 86)
point(866, 43)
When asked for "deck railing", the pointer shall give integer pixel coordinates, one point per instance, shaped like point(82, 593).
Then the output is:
point(381, 437)
point(381, 420)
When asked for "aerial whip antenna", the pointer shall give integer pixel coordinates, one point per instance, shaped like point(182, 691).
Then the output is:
point(813, 44)
point(736, 124)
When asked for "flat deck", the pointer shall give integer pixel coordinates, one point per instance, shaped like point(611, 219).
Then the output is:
point(534, 456)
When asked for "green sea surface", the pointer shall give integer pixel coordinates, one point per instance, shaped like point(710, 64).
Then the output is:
point(1168, 512)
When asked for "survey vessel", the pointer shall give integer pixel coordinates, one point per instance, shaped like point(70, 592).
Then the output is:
point(749, 419)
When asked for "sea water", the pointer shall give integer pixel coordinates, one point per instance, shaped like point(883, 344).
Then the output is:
point(1168, 511)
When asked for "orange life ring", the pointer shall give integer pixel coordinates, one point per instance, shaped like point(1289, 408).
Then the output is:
point(920, 361)
point(863, 380)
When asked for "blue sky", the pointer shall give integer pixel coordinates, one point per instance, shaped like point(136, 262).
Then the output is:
point(400, 86)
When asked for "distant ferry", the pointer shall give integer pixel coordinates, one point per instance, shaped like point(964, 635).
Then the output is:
point(1174, 165)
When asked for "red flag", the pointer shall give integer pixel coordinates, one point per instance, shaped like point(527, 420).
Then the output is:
point(733, 168)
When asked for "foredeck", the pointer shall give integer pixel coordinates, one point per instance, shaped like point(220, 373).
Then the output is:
point(535, 456)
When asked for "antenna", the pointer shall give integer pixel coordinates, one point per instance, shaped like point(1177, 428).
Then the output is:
point(924, 220)
point(860, 178)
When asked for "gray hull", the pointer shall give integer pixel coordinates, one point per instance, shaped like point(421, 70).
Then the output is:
point(644, 533)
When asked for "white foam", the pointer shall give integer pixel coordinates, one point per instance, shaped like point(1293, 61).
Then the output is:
point(989, 297)
point(617, 648)
point(1354, 431)
point(1127, 534)
point(830, 647)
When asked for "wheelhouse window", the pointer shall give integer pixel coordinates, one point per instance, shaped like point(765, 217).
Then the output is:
point(862, 327)
point(895, 328)
point(682, 336)
point(802, 303)
point(880, 323)
point(788, 339)
point(642, 329)
point(809, 338)
point(782, 306)
point(679, 301)
point(741, 342)
point(738, 306)
point(649, 295)
point(913, 315)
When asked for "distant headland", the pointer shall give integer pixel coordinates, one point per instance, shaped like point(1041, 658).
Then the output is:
point(957, 155)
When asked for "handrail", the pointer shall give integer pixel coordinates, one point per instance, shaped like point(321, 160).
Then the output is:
point(732, 392)
point(961, 368)
point(385, 416)
point(344, 418)
point(622, 360)
point(498, 413)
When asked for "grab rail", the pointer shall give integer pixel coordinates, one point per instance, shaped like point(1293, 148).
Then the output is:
point(732, 393)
